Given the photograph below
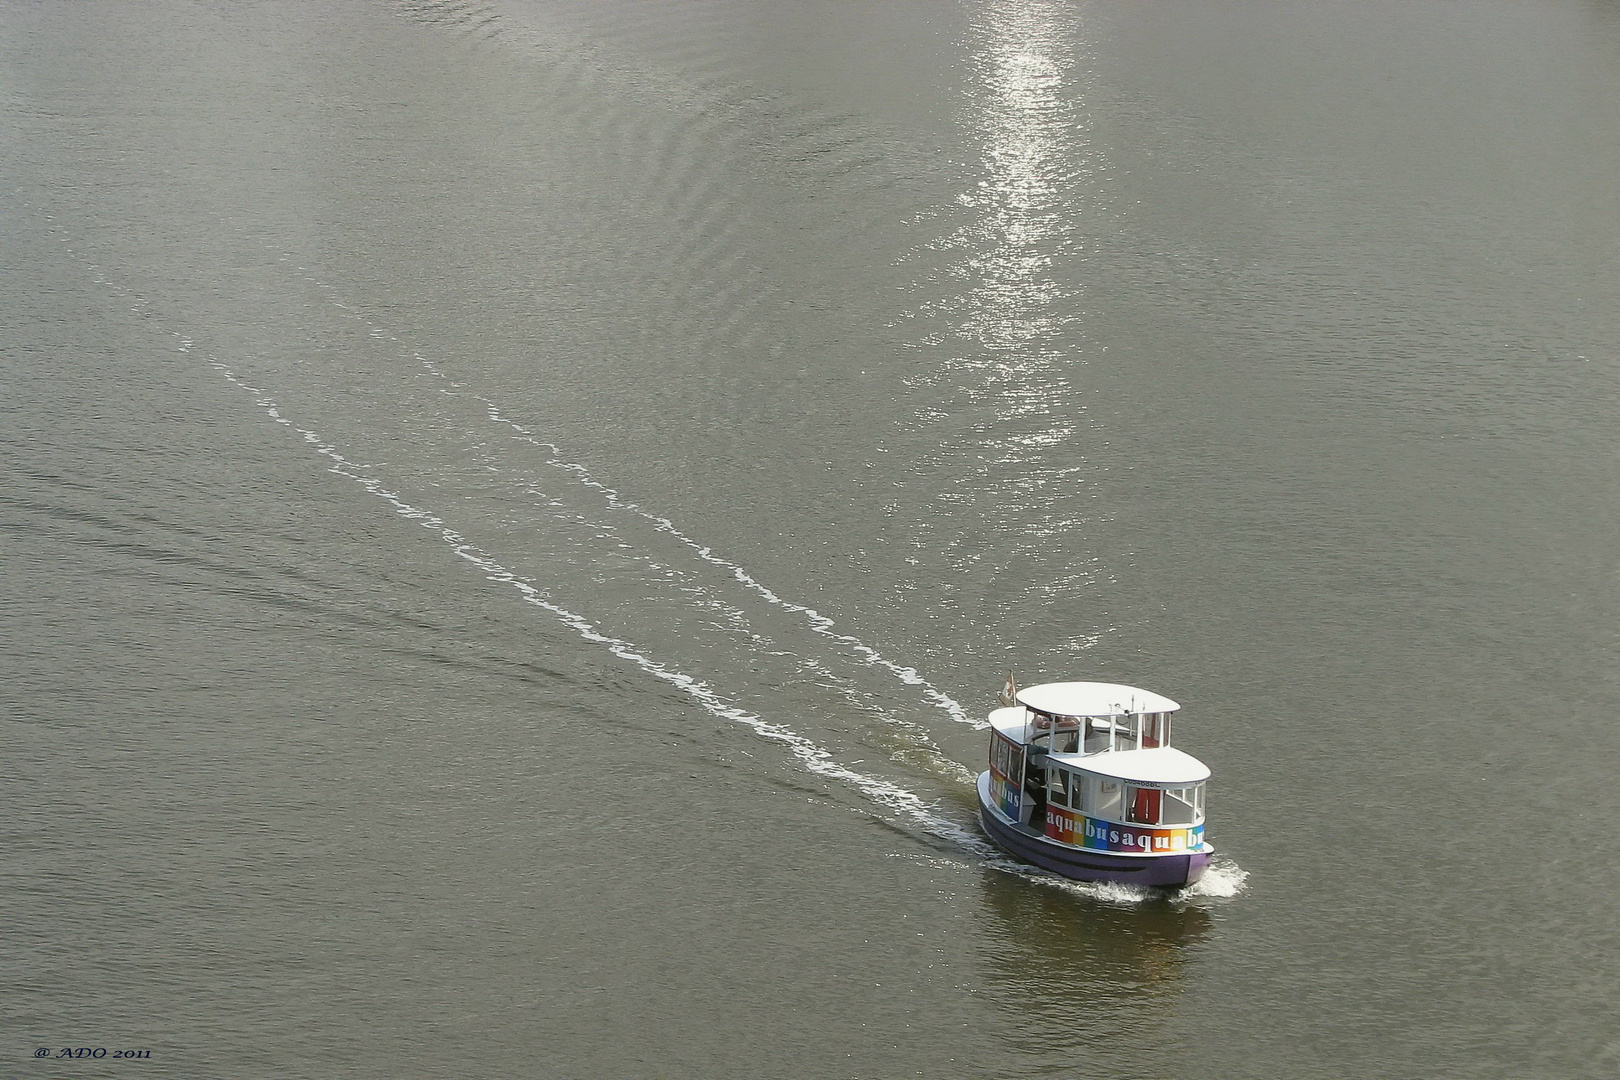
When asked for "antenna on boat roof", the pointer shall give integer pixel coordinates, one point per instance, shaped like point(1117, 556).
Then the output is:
point(1009, 692)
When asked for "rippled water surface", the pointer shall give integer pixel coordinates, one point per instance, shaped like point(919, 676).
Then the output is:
point(514, 512)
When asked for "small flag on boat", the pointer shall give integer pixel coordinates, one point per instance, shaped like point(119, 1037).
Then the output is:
point(1009, 693)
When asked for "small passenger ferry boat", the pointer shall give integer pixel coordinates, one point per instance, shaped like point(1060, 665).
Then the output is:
point(1084, 782)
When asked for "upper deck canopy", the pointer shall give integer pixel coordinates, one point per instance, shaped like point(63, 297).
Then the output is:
point(1093, 699)
point(1165, 766)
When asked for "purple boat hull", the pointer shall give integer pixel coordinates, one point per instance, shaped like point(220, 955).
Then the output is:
point(1162, 871)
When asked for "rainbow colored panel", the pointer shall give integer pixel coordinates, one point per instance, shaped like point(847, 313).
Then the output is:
point(1006, 795)
point(1067, 827)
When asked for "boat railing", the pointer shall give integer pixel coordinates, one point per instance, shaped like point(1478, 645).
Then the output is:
point(1098, 734)
point(1122, 801)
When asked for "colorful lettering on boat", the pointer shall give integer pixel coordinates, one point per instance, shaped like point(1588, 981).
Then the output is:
point(1081, 831)
point(1006, 775)
point(1007, 797)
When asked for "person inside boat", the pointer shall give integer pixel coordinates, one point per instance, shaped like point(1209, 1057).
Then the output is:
point(1035, 790)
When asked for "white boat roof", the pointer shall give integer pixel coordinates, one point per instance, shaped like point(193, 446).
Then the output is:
point(1160, 765)
point(1012, 722)
point(1093, 699)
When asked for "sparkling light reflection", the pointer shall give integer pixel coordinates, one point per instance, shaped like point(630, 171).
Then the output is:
point(1031, 137)
point(1011, 342)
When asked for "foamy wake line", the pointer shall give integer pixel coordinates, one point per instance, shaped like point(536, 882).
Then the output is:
point(811, 756)
point(817, 622)
point(1223, 879)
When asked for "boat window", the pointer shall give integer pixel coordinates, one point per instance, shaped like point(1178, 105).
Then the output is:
point(1198, 801)
point(1125, 733)
point(1065, 735)
point(1152, 724)
point(1099, 736)
point(1006, 759)
point(1144, 805)
point(1058, 787)
point(1040, 729)
point(1107, 802)
point(1178, 807)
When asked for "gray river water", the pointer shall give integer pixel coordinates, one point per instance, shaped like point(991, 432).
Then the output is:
point(513, 514)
